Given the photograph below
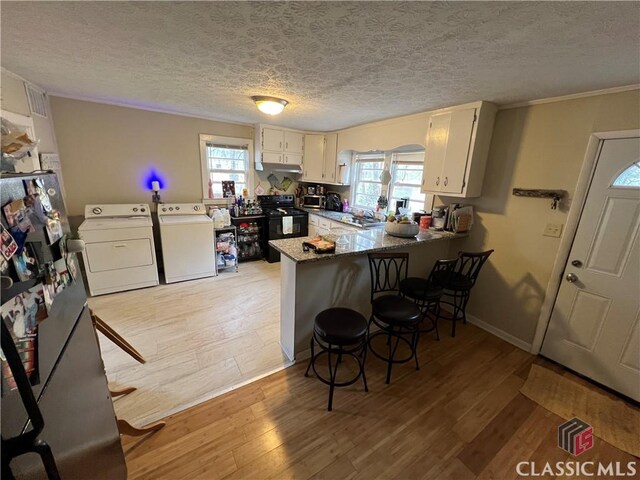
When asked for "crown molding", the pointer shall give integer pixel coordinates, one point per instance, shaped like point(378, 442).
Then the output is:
point(9, 73)
point(571, 96)
point(147, 109)
point(14, 75)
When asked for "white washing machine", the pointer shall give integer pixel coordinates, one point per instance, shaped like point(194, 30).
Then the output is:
point(119, 252)
point(188, 244)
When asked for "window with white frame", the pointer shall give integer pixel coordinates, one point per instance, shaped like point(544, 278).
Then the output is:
point(367, 186)
point(406, 179)
point(223, 159)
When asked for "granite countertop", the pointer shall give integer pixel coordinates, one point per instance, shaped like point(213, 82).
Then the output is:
point(337, 217)
point(357, 243)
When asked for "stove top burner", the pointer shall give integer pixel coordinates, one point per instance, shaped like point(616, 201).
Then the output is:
point(285, 211)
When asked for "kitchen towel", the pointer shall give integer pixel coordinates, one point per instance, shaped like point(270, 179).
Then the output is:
point(287, 225)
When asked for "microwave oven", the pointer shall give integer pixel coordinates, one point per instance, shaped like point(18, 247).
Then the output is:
point(313, 201)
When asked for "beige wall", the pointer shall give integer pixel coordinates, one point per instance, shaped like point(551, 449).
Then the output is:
point(13, 98)
point(541, 146)
point(106, 152)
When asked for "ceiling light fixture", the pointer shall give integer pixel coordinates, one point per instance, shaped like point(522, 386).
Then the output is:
point(269, 105)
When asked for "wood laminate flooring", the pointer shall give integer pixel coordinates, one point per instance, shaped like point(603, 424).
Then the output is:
point(460, 417)
point(200, 338)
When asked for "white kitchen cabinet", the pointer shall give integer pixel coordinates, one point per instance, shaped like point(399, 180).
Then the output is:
point(293, 142)
point(272, 157)
point(457, 146)
point(313, 158)
point(293, 159)
point(276, 145)
point(330, 157)
point(321, 160)
point(272, 139)
point(324, 223)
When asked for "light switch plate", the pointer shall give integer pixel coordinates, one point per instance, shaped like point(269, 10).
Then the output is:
point(553, 230)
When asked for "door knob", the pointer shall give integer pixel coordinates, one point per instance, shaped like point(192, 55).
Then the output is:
point(576, 263)
point(572, 278)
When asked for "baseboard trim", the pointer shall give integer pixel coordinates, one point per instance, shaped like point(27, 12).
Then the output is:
point(507, 337)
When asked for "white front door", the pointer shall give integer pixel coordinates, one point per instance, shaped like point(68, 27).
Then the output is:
point(594, 327)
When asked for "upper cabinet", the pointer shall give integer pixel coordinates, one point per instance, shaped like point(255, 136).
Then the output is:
point(456, 149)
point(272, 139)
point(322, 163)
point(456, 142)
point(313, 158)
point(331, 158)
point(281, 146)
point(293, 142)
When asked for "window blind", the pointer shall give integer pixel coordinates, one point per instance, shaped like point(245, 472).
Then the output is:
point(406, 179)
point(227, 162)
point(368, 188)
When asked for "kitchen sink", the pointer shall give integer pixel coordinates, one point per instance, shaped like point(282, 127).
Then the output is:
point(366, 222)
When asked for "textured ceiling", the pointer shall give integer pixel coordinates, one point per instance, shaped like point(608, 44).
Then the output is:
point(338, 63)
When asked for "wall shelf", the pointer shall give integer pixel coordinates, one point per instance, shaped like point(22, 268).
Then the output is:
point(555, 195)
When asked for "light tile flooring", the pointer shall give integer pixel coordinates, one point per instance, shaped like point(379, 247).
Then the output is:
point(200, 338)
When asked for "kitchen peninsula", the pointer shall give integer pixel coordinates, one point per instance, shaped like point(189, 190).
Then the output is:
point(312, 282)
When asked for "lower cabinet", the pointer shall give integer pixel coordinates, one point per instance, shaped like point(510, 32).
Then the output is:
point(319, 225)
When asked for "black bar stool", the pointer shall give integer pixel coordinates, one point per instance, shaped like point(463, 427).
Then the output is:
point(339, 332)
point(396, 317)
point(426, 293)
point(458, 284)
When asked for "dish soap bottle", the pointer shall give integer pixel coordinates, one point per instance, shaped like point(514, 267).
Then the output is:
point(345, 206)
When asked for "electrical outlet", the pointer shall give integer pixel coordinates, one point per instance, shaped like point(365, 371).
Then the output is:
point(553, 230)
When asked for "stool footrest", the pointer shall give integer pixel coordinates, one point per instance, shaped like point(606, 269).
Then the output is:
point(354, 347)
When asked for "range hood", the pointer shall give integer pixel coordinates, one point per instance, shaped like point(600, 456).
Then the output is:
point(278, 167)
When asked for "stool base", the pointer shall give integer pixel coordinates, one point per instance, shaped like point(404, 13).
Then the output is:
point(399, 333)
point(358, 351)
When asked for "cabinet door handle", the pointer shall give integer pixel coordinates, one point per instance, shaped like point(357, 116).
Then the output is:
point(437, 181)
point(286, 144)
point(280, 144)
point(446, 180)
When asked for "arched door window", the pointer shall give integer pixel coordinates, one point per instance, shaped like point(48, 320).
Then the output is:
point(629, 177)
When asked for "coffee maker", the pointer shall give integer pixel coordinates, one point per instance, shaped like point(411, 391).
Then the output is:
point(333, 202)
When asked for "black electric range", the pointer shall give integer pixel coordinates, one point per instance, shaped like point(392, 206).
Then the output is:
point(283, 220)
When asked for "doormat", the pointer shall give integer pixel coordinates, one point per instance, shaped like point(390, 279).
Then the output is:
point(613, 420)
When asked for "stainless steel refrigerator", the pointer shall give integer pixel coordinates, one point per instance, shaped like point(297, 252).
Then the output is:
point(47, 318)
